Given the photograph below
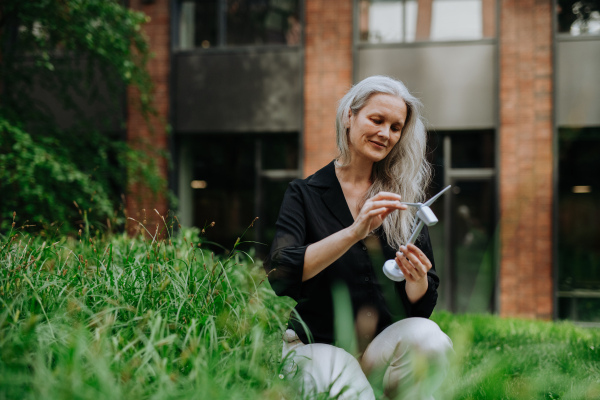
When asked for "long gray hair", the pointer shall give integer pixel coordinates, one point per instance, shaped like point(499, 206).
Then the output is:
point(405, 169)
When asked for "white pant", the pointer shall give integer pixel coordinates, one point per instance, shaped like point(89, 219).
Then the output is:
point(408, 359)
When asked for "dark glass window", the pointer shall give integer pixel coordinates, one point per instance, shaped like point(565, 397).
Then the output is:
point(578, 17)
point(473, 149)
point(224, 166)
point(273, 191)
point(205, 34)
point(280, 152)
point(278, 166)
point(579, 223)
point(219, 23)
point(232, 178)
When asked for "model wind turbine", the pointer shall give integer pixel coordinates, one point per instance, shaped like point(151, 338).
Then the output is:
point(424, 216)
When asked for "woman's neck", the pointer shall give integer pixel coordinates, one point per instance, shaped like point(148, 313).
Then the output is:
point(355, 173)
point(355, 180)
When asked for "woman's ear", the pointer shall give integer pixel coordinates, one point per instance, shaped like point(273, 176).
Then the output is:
point(349, 119)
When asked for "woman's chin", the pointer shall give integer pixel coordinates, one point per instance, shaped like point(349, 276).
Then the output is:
point(372, 156)
point(379, 156)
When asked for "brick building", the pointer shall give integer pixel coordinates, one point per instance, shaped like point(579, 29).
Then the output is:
point(512, 98)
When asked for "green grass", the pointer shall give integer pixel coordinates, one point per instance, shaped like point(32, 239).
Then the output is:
point(520, 359)
point(131, 318)
point(162, 317)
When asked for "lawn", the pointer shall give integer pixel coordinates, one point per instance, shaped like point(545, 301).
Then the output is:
point(109, 316)
point(520, 359)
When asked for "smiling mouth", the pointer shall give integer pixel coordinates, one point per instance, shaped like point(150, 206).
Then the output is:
point(378, 144)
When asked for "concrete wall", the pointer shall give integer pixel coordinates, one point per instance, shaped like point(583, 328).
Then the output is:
point(578, 80)
point(455, 82)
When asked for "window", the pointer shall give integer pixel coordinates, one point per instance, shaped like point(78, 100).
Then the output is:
point(578, 18)
point(223, 23)
point(231, 179)
point(396, 21)
point(579, 224)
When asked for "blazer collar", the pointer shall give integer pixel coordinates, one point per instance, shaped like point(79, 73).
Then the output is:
point(334, 196)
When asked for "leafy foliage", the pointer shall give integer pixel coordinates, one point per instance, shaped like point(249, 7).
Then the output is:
point(38, 181)
point(64, 68)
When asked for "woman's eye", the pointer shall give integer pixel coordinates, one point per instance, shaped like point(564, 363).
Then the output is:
point(376, 121)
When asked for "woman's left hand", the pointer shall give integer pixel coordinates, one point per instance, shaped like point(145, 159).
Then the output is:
point(414, 264)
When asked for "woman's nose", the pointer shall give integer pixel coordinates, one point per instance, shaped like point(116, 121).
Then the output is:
point(384, 131)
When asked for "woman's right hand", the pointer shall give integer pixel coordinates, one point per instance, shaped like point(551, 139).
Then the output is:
point(374, 211)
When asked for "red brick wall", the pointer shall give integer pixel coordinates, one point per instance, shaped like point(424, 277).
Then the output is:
point(526, 132)
point(141, 202)
point(327, 76)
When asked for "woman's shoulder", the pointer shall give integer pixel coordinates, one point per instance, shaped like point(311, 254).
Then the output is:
point(315, 185)
point(324, 177)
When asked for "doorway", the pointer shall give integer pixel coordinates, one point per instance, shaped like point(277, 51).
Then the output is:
point(465, 239)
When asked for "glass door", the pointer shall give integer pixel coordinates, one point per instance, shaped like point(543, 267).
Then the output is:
point(578, 286)
point(465, 238)
point(276, 164)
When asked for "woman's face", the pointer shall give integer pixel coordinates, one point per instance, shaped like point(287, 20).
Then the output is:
point(377, 127)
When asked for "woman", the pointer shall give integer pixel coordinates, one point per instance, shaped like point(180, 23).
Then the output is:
point(320, 244)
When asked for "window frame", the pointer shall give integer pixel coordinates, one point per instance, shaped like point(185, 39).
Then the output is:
point(358, 44)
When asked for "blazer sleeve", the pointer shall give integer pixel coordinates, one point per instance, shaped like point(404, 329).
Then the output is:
point(424, 307)
point(285, 263)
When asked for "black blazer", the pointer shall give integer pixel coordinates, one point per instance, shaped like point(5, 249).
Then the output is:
point(313, 209)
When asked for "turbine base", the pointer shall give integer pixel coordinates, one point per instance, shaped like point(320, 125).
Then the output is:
point(392, 271)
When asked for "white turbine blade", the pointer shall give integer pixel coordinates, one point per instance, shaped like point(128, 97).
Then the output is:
point(434, 198)
point(411, 204)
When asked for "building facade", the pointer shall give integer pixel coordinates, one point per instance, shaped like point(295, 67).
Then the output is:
point(511, 92)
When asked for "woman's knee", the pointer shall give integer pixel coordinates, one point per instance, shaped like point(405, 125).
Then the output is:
point(422, 336)
point(403, 341)
point(412, 355)
point(329, 369)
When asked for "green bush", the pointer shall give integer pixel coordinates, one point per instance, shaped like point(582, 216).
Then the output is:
point(44, 185)
point(68, 55)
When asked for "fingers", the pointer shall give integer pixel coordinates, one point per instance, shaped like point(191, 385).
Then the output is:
point(410, 272)
point(400, 260)
point(375, 210)
point(385, 205)
point(395, 205)
point(386, 196)
point(380, 209)
point(413, 263)
point(420, 255)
